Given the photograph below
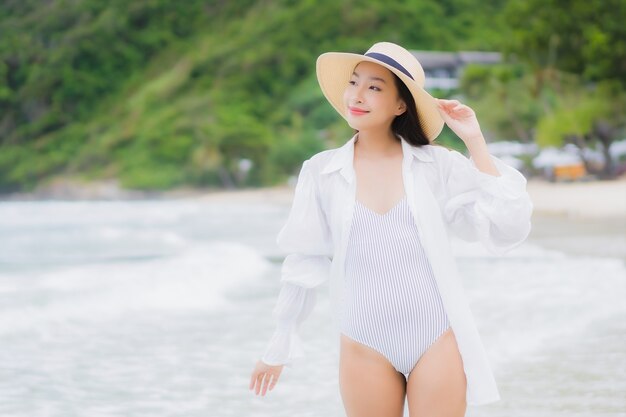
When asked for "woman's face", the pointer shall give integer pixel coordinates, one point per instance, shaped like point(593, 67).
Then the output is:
point(371, 97)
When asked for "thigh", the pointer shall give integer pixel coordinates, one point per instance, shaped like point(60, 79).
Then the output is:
point(369, 384)
point(437, 385)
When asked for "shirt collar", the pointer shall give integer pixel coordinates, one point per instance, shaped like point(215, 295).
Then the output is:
point(343, 158)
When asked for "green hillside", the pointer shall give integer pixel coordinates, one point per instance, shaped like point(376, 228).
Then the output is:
point(162, 93)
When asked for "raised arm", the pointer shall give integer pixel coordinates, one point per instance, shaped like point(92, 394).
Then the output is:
point(486, 200)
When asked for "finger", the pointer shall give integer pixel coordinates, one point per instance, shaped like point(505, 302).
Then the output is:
point(454, 106)
point(274, 381)
point(444, 103)
point(266, 382)
point(259, 381)
point(443, 108)
point(463, 111)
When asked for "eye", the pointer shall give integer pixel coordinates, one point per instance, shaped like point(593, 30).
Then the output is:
point(375, 88)
point(352, 82)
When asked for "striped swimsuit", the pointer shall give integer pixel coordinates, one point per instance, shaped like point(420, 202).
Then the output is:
point(392, 303)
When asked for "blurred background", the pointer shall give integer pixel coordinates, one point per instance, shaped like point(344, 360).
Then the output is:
point(148, 151)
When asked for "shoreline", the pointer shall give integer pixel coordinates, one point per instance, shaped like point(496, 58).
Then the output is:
point(575, 200)
point(602, 200)
point(580, 218)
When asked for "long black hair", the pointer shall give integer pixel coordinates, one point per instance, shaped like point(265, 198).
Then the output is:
point(408, 124)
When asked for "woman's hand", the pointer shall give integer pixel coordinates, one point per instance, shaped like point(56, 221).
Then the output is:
point(262, 374)
point(461, 119)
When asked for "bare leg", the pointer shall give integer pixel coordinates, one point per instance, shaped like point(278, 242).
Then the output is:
point(437, 385)
point(370, 386)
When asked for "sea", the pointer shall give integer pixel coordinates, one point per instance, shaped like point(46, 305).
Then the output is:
point(161, 307)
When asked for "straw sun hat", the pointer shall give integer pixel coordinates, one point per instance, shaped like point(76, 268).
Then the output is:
point(334, 70)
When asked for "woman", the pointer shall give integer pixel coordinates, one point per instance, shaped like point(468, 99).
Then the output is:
point(381, 207)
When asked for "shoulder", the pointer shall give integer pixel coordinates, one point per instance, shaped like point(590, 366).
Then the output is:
point(317, 162)
point(320, 159)
point(436, 155)
point(444, 156)
point(439, 151)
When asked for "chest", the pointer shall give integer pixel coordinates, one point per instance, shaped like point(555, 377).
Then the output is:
point(423, 197)
point(379, 184)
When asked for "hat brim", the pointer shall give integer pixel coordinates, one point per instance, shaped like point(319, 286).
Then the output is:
point(334, 70)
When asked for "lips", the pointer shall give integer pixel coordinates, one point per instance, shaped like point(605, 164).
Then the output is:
point(356, 111)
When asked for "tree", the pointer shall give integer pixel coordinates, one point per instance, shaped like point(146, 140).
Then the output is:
point(584, 37)
point(503, 97)
point(587, 118)
point(576, 51)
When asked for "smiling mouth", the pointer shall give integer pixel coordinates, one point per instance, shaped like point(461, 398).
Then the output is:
point(357, 112)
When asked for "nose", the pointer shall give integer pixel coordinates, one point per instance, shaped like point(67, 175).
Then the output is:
point(356, 95)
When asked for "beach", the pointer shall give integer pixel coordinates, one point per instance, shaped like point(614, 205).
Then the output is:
point(586, 218)
point(161, 305)
point(568, 216)
point(598, 200)
point(575, 200)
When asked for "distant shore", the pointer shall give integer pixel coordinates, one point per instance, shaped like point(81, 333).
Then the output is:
point(591, 200)
point(588, 200)
point(580, 218)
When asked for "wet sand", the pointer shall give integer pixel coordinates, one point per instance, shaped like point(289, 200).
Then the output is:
point(578, 217)
point(587, 218)
point(602, 200)
point(580, 236)
point(583, 218)
point(589, 200)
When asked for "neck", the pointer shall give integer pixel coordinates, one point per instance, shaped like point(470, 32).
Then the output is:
point(377, 142)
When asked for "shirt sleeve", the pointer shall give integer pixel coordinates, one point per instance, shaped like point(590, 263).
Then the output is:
point(305, 238)
point(494, 210)
point(293, 306)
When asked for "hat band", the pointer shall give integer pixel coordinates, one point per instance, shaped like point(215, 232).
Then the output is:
point(390, 61)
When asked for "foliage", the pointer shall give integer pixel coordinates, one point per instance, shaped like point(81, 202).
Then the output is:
point(504, 99)
point(585, 37)
point(563, 81)
point(159, 93)
point(586, 117)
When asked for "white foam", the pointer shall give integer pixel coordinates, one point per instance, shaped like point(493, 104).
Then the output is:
point(199, 278)
point(523, 305)
point(33, 215)
point(527, 249)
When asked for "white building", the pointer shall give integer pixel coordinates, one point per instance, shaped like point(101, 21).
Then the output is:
point(443, 69)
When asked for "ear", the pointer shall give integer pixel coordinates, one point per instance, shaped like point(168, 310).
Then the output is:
point(401, 108)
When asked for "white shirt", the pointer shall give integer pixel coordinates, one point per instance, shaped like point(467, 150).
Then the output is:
point(446, 194)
